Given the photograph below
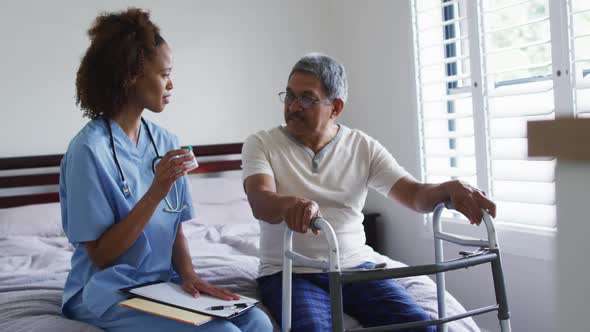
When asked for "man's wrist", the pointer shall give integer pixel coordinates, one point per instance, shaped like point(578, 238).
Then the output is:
point(445, 190)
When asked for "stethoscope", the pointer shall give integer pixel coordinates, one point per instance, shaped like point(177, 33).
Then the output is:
point(125, 187)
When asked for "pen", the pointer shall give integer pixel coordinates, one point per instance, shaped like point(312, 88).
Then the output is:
point(235, 305)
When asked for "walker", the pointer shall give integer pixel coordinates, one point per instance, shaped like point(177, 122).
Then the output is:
point(489, 252)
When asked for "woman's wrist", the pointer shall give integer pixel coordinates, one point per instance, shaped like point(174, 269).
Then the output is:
point(187, 273)
point(152, 196)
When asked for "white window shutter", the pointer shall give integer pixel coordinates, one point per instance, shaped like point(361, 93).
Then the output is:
point(517, 65)
point(440, 126)
point(579, 17)
point(443, 67)
point(481, 80)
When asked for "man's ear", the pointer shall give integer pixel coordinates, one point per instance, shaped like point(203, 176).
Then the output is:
point(338, 108)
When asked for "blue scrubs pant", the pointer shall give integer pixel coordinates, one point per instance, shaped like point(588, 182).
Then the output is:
point(372, 303)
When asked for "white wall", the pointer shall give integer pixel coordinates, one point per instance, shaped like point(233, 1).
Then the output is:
point(230, 61)
point(231, 58)
point(374, 40)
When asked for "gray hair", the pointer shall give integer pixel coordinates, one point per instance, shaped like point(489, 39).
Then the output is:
point(330, 72)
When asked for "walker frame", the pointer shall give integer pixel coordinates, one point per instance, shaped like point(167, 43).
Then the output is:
point(489, 252)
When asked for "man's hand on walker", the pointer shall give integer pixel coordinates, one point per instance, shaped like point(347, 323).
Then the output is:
point(469, 201)
point(299, 215)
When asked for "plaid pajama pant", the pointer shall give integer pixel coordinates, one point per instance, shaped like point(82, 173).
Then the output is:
point(372, 303)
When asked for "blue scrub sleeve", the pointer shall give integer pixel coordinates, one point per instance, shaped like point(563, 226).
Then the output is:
point(88, 212)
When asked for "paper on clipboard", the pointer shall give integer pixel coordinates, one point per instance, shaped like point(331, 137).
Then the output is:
point(166, 311)
point(173, 294)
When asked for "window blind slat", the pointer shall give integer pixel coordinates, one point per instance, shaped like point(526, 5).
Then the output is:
point(446, 98)
point(439, 179)
point(521, 46)
point(443, 24)
point(447, 135)
point(448, 79)
point(582, 35)
point(506, 6)
point(440, 61)
point(464, 143)
point(527, 171)
point(514, 127)
point(447, 116)
point(534, 104)
point(525, 192)
point(509, 149)
point(545, 85)
point(439, 7)
point(526, 214)
point(517, 25)
point(451, 172)
point(507, 128)
point(449, 153)
point(444, 42)
point(515, 112)
point(519, 68)
point(512, 149)
point(580, 11)
point(579, 60)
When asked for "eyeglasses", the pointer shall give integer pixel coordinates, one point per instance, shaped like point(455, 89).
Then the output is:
point(305, 102)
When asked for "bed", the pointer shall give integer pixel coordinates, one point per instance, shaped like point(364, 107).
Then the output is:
point(223, 239)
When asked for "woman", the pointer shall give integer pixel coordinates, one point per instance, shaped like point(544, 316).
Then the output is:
point(122, 203)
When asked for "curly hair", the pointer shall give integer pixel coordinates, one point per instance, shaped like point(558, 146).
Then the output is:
point(120, 44)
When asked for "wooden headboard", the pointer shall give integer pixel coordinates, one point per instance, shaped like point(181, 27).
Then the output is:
point(208, 152)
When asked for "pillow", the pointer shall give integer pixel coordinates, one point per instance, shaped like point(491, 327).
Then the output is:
point(216, 190)
point(237, 212)
point(31, 220)
point(220, 200)
point(217, 200)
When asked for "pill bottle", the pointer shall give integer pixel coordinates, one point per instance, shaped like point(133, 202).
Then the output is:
point(193, 163)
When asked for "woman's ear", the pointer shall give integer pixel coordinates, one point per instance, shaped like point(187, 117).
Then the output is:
point(129, 82)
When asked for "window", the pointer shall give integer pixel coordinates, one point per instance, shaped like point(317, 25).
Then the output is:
point(486, 67)
point(579, 16)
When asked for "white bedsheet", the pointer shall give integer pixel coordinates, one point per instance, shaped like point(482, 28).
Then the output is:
point(33, 269)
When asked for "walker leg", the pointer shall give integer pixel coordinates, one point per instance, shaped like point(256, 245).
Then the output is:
point(441, 298)
point(500, 290)
point(286, 300)
point(440, 283)
point(286, 292)
point(505, 325)
point(336, 298)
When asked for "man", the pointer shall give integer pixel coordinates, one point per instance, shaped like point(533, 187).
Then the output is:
point(314, 166)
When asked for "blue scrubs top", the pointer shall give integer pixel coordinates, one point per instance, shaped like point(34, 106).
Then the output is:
point(92, 200)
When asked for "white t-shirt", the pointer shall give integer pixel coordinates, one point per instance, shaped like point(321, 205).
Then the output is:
point(337, 178)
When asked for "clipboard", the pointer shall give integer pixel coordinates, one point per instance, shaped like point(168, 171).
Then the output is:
point(172, 295)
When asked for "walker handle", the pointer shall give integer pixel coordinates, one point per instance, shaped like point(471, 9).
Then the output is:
point(492, 241)
point(320, 224)
point(315, 223)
